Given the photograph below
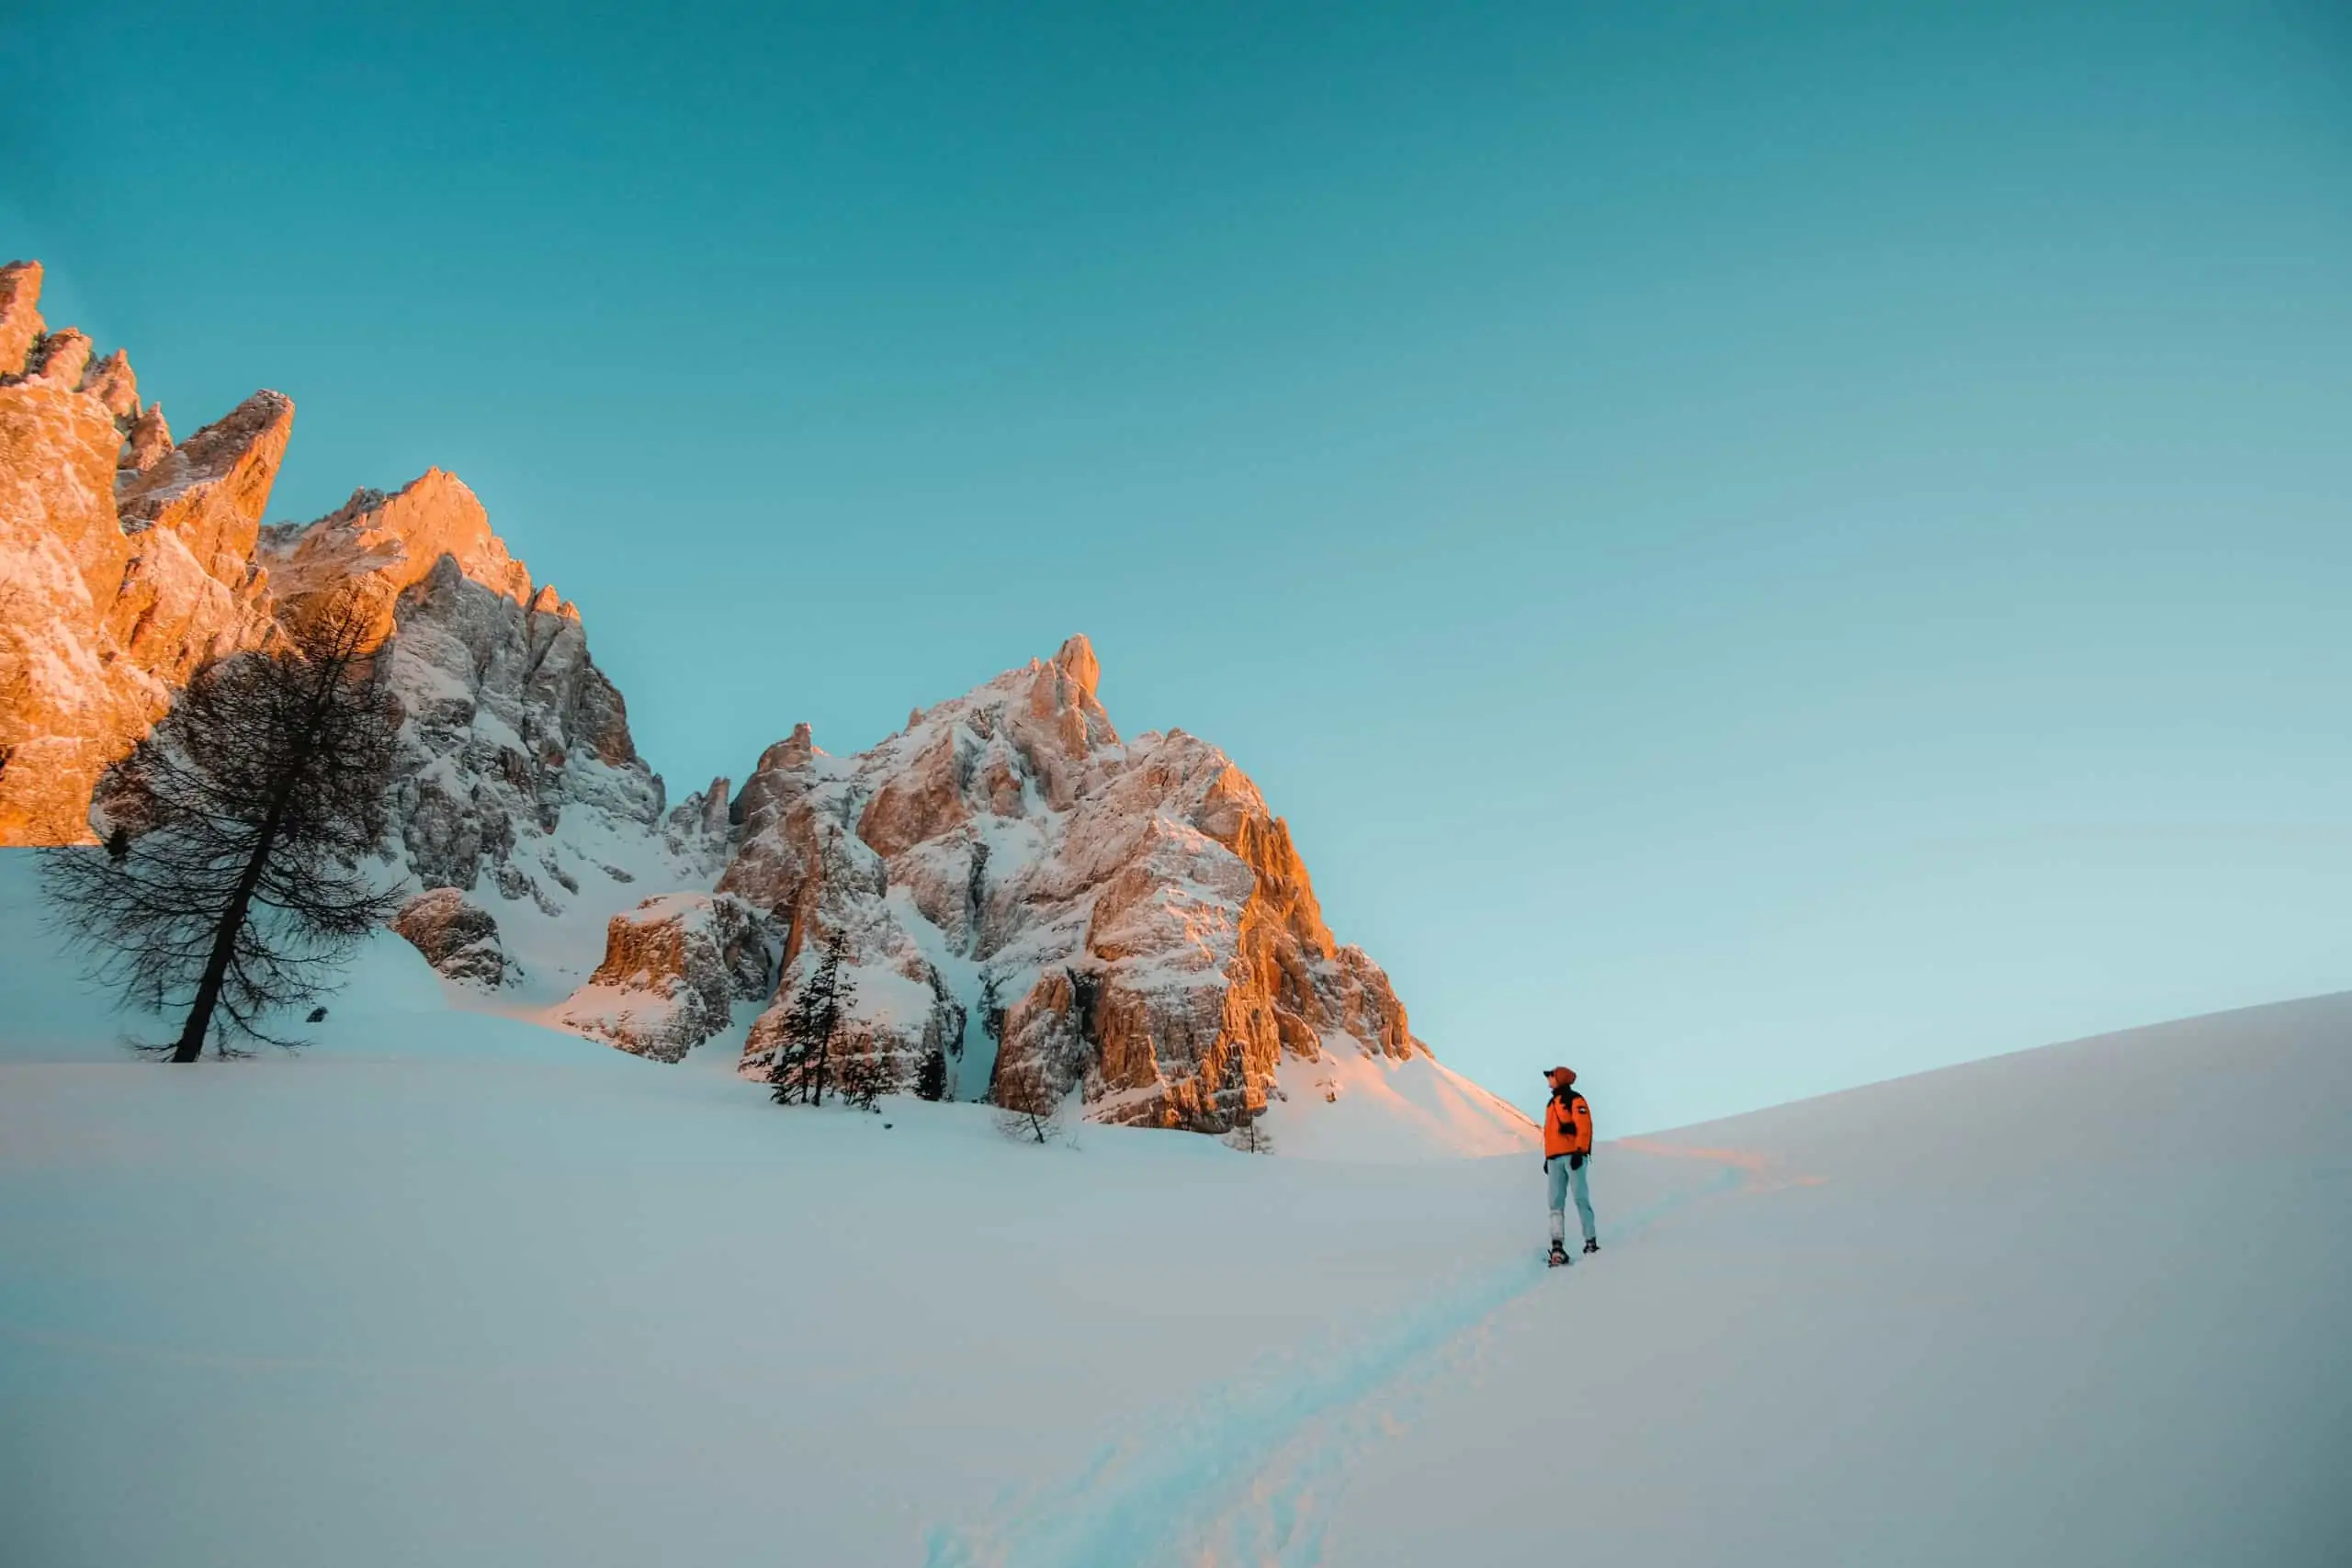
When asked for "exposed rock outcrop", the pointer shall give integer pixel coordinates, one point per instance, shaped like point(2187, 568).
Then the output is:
point(507, 722)
point(191, 591)
point(396, 539)
point(1056, 910)
point(148, 443)
point(457, 937)
point(113, 383)
point(20, 322)
point(114, 586)
point(673, 967)
point(126, 562)
point(698, 832)
point(59, 360)
point(1127, 920)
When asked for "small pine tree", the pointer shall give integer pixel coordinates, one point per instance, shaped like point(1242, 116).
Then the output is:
point(867, 1075)
point(803, 1064)
point(1249, 1132)
point(930, 1080)
point(1243, 1131)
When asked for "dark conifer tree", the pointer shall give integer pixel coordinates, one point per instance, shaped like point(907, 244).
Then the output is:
point(868, 1071)
point(804, 1057)
point(1243, 1131)
point(233, 882)
point(930, 1080)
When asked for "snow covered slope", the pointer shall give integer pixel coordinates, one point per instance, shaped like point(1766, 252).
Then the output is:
point(1352, 1104)
point(455, 1289)
point(2081, 1306)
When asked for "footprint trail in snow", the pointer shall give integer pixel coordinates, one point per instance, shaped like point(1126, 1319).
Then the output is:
point(1230, 1478)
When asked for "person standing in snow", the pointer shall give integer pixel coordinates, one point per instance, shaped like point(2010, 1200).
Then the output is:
point(1567, 1145)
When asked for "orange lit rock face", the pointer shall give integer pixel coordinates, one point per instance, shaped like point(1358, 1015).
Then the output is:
point(211, 489)
point(71, 703)
point(112, 382)
point(394, 540)
point(150, 441)
point(1016, 886)
point(506, 719)
point(114, 582)
point(190, 593)
point(1141, 918)
point(20, 322)
point(673, 967)
point(127, 563)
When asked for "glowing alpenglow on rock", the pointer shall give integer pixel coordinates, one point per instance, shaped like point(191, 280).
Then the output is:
point(1017, 886)
point(125, 562)
point(1055, 912)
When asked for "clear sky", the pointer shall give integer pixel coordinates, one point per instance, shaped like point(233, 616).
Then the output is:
point(1760, 547)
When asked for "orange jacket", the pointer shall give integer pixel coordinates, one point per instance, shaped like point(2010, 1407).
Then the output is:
point(1568, 1127)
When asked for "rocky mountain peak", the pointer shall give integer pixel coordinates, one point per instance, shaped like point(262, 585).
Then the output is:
point(1078, 664)
point(148, 443)
point(1048, 906)
point(20, 322)
point(113, 383)
point(212, 488)
point(60, 359)
point(396, 539)
point(1057, 912)
point(127, 562)
point(124, 562)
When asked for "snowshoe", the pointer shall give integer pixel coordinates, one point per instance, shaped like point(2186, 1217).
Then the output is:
point(1559, 1258)
point(1592, 1245)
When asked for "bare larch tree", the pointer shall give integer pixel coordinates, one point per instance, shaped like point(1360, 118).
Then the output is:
point(233, 882)
point(1032, 1093)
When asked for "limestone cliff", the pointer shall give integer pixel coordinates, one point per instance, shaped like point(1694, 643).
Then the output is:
point(1055, 910)
point(507, 722)
point(125, 562)
point(674, 968)
point(1021, 889)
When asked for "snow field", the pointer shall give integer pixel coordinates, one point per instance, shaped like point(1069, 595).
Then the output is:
point(450, 1289)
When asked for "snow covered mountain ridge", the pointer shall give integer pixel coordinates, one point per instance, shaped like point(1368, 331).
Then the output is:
point(1031, 904)
point(1045, 904)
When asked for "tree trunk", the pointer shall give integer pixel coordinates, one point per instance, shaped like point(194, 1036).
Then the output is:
point(224, 941)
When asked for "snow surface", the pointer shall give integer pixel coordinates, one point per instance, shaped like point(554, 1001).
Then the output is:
point(1356, 1105)
point(453, 1289)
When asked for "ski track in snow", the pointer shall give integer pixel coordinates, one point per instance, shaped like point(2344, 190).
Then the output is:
point(1230, 1479)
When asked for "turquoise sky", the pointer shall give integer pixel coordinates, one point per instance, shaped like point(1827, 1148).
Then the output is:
point(1760, 547)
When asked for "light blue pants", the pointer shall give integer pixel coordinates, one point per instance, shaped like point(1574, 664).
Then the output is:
point(1564, 1181)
